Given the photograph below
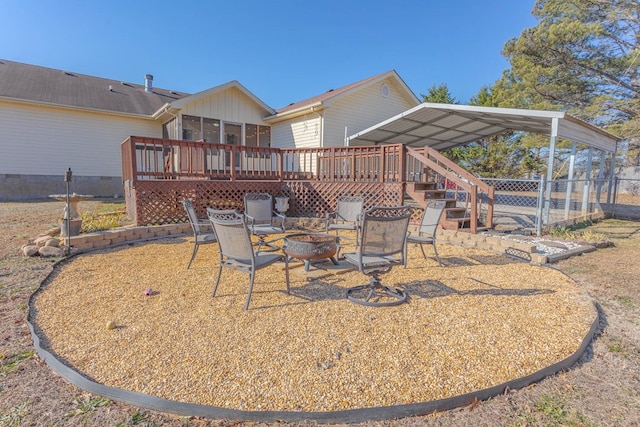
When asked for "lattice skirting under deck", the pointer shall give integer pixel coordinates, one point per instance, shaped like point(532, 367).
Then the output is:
point(159, 202)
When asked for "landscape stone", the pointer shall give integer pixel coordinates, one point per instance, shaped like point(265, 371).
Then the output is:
point(50, 251)
point(52, 242)
point(55, 231)
point(29, 250)
point(41, 239)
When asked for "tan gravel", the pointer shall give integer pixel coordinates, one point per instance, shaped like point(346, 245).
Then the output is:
point(479, 321)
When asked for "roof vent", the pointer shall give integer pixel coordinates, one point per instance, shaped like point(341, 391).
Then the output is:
point(148, 83)
point(110, 88)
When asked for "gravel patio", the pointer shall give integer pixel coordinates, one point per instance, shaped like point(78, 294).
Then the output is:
point(480, 321)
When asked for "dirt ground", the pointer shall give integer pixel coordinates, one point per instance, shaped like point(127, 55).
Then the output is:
point(602, 389)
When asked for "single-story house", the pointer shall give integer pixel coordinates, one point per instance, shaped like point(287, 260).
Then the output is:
point(53, 120)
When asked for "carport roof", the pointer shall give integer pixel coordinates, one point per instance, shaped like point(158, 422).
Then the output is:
point(443, 126)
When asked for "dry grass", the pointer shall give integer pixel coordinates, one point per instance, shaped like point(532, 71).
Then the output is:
point(603, 389)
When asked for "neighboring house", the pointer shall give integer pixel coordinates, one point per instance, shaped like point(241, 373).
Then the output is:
point(52, 120)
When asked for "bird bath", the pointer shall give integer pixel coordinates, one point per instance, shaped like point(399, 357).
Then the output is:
point(71, 211)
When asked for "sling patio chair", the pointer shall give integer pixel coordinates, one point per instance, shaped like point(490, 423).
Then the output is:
point(426, 232)
point(384, 231)
point(203, 233)
point(346, 216)
point(236, 248)
point(262, 219)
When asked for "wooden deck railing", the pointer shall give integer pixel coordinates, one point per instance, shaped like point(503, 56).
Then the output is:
point(153, 158)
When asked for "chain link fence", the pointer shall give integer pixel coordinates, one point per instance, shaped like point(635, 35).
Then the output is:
point(536, 205)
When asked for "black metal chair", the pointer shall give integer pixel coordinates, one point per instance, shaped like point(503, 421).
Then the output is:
point(236, 248)
point(382, 246)
point(203, 233)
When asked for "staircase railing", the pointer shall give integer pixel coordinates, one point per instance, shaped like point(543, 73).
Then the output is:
point(427, 164)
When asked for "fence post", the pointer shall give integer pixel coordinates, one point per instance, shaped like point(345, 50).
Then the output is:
point(585, 197)
point(616, 180)
point(541, 207)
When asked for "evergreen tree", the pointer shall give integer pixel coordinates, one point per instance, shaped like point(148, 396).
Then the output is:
point(439, 95)
point(500, 156)
point(583, 57)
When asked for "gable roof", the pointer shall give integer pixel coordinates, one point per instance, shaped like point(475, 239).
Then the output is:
point(221, 88)
point(31, 83)
point(331, 95)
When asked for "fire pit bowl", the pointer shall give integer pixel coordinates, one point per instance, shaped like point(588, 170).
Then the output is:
point(310, 247)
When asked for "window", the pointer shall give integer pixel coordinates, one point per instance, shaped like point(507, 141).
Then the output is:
point(211, 130)
point(257, 136)
point(232, 133)
point(251, 135)
point(191, 130)
point(264, 136)
point(196, 128)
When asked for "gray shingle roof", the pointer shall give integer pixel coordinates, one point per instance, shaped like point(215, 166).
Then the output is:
point(46, 85)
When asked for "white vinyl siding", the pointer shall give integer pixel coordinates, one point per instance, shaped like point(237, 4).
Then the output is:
point(47, 141)
point(301, 132)
point(230, 105)
point(361, 110)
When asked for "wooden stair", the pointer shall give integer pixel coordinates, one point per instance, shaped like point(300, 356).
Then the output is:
point(454, 217)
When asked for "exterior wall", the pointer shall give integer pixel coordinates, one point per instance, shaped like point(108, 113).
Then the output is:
point(361, 110)
point(39, 143)
point(230, 105)
point(301, 132)
point(31, 187)
point(357, 111)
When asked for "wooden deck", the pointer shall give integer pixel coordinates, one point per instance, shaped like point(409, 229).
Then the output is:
point(159, 173)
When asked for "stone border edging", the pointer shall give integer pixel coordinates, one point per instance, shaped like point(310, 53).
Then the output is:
point(344, 416)
point(102, 239)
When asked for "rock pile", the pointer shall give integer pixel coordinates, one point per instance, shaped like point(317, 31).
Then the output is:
point(46, 245)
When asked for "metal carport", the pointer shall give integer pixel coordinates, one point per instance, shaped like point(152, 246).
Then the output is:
point(443, 126)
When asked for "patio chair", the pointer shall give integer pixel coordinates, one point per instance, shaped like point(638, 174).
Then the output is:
point(262, 219)
point(384, 231)
point(346, 216)
point(428, 227)
point(203, 233)
point(236, 249)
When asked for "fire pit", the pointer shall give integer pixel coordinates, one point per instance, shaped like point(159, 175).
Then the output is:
point(311, 247)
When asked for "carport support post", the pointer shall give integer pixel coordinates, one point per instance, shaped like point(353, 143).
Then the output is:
point(552, 153)
point(612, 173)
point(540, 208)
point(567, 199)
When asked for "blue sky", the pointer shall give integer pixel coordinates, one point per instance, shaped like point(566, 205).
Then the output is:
point(283, 51)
